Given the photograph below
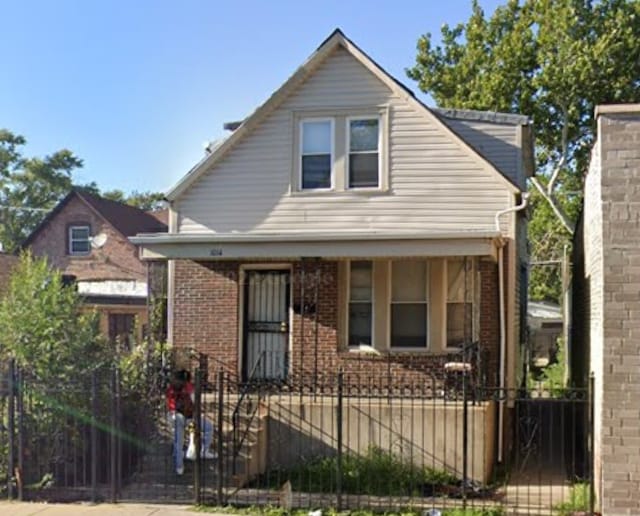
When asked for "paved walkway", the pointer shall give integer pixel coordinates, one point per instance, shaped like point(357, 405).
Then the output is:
point(103, 509)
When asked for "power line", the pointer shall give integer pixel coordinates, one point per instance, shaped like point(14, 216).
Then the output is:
point(23, 208)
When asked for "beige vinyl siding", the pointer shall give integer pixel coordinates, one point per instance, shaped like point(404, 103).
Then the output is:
point(434, 183)
point(499, 143)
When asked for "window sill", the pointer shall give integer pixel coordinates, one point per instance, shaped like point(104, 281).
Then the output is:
point(363, 350)
point(350, 192)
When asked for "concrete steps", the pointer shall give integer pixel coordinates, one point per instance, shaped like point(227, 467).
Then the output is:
point(156, 478)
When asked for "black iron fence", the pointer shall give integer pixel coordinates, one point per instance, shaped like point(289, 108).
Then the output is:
point(339, 439)
point(351, 442)
point(77, 440)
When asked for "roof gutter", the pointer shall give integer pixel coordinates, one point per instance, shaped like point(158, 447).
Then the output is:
point(503, 337)
point(203, 238)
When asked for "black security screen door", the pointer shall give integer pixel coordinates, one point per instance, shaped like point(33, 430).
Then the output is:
point(266, 325)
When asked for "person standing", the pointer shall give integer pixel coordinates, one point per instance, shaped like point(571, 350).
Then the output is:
point(180, 406)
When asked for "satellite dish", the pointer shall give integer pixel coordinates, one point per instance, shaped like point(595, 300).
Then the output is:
point(99, 240)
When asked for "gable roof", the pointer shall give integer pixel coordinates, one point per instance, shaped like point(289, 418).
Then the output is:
point(335, 39)
point(127, 220)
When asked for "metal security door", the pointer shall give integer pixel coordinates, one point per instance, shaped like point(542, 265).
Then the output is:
point(266, 325)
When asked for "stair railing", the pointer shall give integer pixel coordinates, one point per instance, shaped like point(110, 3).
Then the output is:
point(246, 387)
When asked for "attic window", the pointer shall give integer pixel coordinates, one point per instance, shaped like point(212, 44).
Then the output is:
point(364, 144)
point(316, 153)
point(79, 243)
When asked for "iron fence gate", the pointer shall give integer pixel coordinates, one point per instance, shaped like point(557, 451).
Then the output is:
point(340, 440)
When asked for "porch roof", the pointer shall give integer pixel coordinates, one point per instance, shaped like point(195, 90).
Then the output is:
point(342, 244)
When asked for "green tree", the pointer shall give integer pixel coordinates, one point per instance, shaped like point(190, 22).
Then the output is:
point(44, 325)
point(553, 60)
point(30, 187)
point(142, 200)
point(33, 183)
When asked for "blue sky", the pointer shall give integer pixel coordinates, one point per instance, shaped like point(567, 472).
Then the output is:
point(135, 88)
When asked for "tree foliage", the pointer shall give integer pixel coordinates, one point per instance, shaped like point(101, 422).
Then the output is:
point(37, 183)
point(44, 326)
point(553, 60)
point(31, 186)
point(142, 200)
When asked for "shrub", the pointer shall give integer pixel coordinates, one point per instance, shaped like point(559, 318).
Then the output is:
point(377, 472)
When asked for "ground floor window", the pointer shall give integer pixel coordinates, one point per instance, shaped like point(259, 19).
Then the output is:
point(409, 304)
point(360, 303)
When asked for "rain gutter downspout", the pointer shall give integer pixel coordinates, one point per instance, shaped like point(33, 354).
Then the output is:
point(503, 338)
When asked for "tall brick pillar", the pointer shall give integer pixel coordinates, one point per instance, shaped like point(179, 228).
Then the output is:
point(612, 269)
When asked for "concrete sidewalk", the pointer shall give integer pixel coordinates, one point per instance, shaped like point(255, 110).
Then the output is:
point(102, 509)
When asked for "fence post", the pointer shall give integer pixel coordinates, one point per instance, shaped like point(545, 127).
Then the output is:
point(11, 428)
point(21, 431)
point(339, 436)
point(465, 436)
point(219, 443)
point(592, 452)
point(113, 457)
point(94, 436)
point(197, 423)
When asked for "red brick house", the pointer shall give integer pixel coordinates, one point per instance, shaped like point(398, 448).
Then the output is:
point(87, 238)
point(346, 225)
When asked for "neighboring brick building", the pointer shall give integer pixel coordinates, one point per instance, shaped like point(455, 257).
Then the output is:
point(86, 237)
point(606, 318)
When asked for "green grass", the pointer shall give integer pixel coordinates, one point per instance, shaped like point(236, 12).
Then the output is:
point(277, 511)
point(376, 473)
point(579, 498)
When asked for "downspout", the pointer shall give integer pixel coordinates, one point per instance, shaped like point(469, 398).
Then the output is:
point(503, 331)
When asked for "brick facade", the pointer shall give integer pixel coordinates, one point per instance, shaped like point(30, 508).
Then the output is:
point(206, 312)
point(116, 260)
point(609, 286)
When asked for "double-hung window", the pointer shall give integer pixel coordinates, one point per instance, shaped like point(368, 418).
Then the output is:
point(409, 304)
point(316, 153)
point(460, 294)
point(360, 303)
point(79, 240)
point(364, 152)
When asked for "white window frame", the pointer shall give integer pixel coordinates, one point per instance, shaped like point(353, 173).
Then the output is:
point(361, 347)
point(348, 121)
point(332, 138)
point(71, 240)
point(427, 303)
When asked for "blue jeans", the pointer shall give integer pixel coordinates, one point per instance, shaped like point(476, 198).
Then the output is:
point(179, 422)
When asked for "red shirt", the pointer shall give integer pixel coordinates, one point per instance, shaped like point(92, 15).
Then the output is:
point(180, 398)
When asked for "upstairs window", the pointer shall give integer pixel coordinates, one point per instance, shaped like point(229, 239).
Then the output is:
point(360, 303)
point(79, 243)
point(316, 153)
point(363, 144)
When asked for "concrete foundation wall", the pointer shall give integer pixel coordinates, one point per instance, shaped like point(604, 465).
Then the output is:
point(427, 433)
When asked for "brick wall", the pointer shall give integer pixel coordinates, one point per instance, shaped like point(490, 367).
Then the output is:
point(116, 260)
point(611, 243)
point(206, 318)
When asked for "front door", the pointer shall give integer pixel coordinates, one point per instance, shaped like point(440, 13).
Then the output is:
point(266, 325)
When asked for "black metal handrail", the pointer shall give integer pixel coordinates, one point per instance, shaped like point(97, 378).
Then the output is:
point(237, 440)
